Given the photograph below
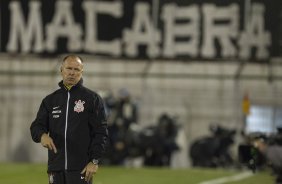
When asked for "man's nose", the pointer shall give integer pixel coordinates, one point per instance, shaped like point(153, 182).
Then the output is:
point(72, 72)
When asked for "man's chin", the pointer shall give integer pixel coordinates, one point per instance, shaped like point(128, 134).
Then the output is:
point(70, 83)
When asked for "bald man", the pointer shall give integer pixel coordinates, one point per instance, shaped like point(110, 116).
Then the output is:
point(71, 123)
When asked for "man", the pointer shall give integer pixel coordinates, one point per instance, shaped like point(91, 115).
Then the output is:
point(71, 123)
point(273, 155)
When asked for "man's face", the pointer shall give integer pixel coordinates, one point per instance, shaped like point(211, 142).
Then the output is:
point(71, 71)
point(260, 145)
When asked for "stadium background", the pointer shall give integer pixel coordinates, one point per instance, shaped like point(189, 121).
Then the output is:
point(201, 88)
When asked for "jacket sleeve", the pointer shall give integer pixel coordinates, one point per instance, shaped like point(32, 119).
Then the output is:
point(40, 124)
point(98, 128)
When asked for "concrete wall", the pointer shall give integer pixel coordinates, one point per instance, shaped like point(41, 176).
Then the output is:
point(198, 92)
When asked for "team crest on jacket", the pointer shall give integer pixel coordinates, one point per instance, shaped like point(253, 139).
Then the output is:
point(79, 107)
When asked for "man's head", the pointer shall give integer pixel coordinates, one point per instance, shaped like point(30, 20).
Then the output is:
point(71, 70)
point(260, 144)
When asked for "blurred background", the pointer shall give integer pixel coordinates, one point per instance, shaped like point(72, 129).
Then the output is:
point(185, 83)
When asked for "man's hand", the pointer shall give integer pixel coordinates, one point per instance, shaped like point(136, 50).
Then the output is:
point(89, 170)
point(47, 142)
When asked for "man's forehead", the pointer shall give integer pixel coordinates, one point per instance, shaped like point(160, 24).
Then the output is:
point(73, 61)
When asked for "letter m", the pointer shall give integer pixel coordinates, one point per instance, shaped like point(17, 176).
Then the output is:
point(23, 34)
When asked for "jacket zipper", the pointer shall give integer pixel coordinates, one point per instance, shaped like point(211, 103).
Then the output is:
point(66, 127)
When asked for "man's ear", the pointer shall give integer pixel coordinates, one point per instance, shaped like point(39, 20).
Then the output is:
point(61, 69)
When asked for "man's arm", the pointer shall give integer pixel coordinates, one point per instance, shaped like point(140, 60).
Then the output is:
point(99, 136)
point(98, 129)
point(40, 125)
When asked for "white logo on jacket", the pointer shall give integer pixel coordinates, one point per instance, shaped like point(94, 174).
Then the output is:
point(79, 106)
point(51, 178)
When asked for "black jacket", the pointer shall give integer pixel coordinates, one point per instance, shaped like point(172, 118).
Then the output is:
point(76, 122)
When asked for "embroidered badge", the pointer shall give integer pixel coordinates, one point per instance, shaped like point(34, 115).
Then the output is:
point(79, 106)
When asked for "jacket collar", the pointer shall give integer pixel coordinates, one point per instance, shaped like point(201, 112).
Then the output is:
point(78, 85)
